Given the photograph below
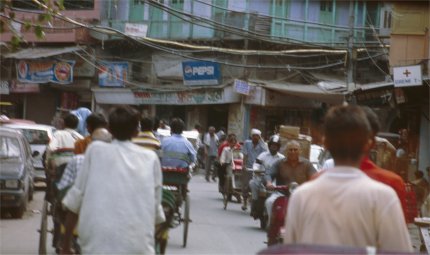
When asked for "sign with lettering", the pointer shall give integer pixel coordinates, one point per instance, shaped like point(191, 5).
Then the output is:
point(113, 74)
point(197, 73)
point(135, 29)
point(215, 96)
point(241, 87)
point(4, 88)
point(407, 76)
point(44, 71)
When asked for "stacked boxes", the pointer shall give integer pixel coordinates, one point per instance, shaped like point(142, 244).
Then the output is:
point(288, 133)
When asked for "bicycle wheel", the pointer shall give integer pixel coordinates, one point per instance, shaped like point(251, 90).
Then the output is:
point(186, 219)
point(43, 228)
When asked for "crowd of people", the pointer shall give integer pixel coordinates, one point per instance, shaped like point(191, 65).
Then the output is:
point(111, 188)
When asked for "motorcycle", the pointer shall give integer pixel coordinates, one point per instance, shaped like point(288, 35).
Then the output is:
point(279, 211)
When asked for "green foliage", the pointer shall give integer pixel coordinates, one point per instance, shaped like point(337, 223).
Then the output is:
point(38, 30)
point(49, 7)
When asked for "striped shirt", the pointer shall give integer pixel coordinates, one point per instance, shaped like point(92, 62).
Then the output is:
point(147, 140)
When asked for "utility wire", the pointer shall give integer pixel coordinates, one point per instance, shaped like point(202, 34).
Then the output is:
point(346, 28)
point(243, 32)
point(111, 31)
point(200, 49)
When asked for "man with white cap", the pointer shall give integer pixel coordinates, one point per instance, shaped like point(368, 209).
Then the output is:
point(251, 149)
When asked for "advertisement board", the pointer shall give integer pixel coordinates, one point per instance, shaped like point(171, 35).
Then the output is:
point(44, 71)
point(112, 74)
point(197, 73)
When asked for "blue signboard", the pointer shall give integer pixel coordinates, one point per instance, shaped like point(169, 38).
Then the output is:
point(113, 74)
point(201, 73)
point(44, 71)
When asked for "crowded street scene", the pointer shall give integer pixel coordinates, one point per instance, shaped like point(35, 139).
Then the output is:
point(214, 127)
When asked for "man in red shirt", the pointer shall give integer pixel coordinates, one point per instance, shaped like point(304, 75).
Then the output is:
point(375, 172)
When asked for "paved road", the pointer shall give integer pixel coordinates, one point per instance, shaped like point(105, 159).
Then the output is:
point(213, 230)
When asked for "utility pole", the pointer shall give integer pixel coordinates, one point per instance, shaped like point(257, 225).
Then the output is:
point(350, 66)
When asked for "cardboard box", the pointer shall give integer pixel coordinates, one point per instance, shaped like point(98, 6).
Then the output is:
point(291, 132)
point(305, 142)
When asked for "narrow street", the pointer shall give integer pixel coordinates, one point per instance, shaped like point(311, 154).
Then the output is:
point(213, 230)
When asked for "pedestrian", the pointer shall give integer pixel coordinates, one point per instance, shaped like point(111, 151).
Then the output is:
point(163, 125)
point(227, 161)
point(421, 188)
point(250, 150)
point(61, 146)
point(82, 113)
point(199, 147)
point(267, 160)
point(345, 207)
point(117, 193)
point(93, 122)
point(146, 137)
point(221, 134)
point(210, 141)
point(291, 169)
point(371, 169)
point(177, 151)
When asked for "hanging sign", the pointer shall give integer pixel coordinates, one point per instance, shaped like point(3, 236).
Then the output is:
point(201, 73)
point(113, 74)
point(241, 87)
point(44, 71)
point(135, 29)
point(407, 76)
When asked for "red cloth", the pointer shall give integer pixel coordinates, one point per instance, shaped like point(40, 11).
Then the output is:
point(224, 144)
point(385, 176)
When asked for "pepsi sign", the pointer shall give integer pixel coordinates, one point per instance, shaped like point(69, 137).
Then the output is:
point(201, 73)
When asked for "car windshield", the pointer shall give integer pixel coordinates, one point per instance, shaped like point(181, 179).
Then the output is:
point(9, 148)
point(35, 136)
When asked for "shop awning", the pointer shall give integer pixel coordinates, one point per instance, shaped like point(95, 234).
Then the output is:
point(39, 52)
point(214, 95)
point(313, 92)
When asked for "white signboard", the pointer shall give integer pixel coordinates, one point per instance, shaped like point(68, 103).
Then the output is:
point(241, 87)
point(136, 30)
point(406, 76)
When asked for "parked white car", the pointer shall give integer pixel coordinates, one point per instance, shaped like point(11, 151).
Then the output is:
point(38, 136)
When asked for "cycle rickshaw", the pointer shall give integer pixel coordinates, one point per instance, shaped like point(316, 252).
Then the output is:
point(52, 208)
point(176, 205)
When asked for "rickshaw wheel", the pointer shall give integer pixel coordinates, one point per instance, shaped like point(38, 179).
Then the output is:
point(43, 228)
point(186, 219)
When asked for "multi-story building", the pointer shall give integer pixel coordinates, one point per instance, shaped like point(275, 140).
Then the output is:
point(410, 61)
point(291, 56)
point(44, 75)
point(238, 64)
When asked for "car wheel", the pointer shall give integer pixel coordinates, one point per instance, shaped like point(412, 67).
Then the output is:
point(19, 212)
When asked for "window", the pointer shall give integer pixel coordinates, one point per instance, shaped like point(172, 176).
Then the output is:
point(326, 6)
point(387, 19)
point(24, 4)
point(139, 2)
point(79, 4)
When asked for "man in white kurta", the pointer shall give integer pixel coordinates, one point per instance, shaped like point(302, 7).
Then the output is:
point(343, 206)
point(373, 218)
point(117, 195)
